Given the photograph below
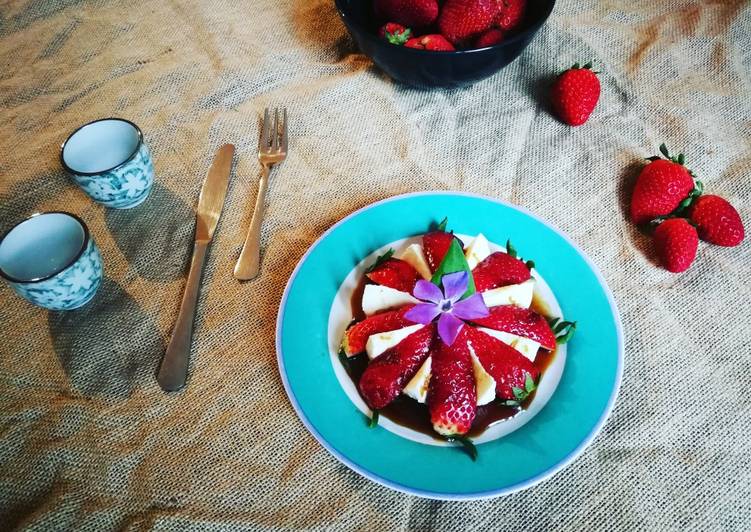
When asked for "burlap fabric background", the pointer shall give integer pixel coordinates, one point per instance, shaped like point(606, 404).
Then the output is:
point(87, 439)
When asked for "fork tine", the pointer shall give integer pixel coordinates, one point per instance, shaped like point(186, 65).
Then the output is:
point(275, 131)
point(284, 131)
point(263, 143)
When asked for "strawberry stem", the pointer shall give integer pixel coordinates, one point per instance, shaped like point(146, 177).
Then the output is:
point(373, 420)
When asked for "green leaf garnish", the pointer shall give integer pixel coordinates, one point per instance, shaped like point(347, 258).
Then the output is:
point(566, 336)
point(343, 358)
point(529, 384)
point(552, 321)
point(373, 420)
point(510, 249)
point(518, 393)
point(453, 262)
point(380, 260)
point(466, 444)
point(443, 224)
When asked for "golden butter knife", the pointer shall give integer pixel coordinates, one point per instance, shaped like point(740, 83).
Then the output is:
point(174, 369)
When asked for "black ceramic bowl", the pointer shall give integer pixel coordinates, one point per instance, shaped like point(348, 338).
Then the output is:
point(423, 68)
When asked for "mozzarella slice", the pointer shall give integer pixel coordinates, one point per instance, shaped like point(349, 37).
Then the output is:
point(417, 388)
point(477, 251)
point(484, 383)
point(380, 342)
point(415, 257)
point(377, 297)
point(525, 346)
point(515, 294)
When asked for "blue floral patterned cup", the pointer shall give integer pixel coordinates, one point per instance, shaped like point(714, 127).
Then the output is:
point(51, 260)
point(110, 161)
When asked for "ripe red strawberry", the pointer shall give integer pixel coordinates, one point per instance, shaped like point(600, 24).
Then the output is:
point(676, 241)
point(508, 367)
point(491, 37)
point(464, 20)
point(499, 269)
point(388, 374)
point(435, 43)
point(452, 395)
point(435, 245)
point(395, 273)
point(512, 13)
point(661, 187)
point(357, 335)
point(575, 94)
point(410, 13)
point(521, 322)
point(395, 33)
point(717, 221)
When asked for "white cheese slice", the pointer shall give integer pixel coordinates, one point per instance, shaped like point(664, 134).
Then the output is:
point(417, 388)
point(415, 257)
point(377, 297)
point(380, 342)
point(525, 346)
point(477, 251)
point(484, 383)
point(515, 294)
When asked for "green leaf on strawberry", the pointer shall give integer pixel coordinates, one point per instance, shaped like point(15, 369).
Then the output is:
point(443, 224)
point(466, 444)
point(380, 260)
point(511, 251)
point(453, 262)
point(373, 420)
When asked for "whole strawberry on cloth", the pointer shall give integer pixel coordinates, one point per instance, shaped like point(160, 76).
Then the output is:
point(676, 243)
point(663, 186)
point(717, 221)
point(575, 94)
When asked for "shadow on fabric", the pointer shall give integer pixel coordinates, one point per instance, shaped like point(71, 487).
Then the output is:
point(108, 348)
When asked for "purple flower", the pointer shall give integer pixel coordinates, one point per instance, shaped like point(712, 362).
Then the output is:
point(447, 304)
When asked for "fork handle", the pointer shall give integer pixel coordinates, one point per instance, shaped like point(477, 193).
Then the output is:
point(249, 263)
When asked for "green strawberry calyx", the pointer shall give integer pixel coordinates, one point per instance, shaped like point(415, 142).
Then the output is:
point(380, 260)
point(398, 37)
point(563, 330)
point(521, 394)
point(689, 200)
point(511, 250)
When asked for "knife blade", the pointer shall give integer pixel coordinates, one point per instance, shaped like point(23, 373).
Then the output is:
point(213, 192)
point(173, 371)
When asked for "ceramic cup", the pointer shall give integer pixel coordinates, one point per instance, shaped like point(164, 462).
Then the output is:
point(110, 161)
point(51, 260)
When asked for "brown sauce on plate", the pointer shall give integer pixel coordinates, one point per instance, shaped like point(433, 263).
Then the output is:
point(409, 413)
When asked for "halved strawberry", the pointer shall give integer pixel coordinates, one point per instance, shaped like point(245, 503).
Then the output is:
point(521, 322)
point(435, 245)
point(499, 269)
point(396, 274)
point(452, 395)
point(508, 367)
point(388, 374)
point(357, 335)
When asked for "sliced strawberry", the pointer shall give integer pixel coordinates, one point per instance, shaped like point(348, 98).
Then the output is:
point(499, 269)
point(452, 396)
point(508, 367)
point(435, 245)
point(357, 335)
point(521, 322)
point(396, 274)
point(388, 374)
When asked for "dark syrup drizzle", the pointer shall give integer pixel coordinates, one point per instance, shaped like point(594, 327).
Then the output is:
point(409, 413)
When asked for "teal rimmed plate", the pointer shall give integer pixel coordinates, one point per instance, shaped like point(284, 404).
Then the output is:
point(546, 443)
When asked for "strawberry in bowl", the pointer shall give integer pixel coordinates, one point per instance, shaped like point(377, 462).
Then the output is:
point(449, 42)
point(448, 341)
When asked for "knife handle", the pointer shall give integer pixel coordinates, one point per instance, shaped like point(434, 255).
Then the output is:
point(249, 263)
point(174, 369)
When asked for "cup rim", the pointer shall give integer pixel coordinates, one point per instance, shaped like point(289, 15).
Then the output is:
point(529, 30)
point(79, 128)
point(84, 245)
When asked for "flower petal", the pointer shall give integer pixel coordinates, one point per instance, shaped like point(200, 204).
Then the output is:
point(422, 313)
point(454, 285)
point(471, 308)
point(449, 327)
point(427, 291)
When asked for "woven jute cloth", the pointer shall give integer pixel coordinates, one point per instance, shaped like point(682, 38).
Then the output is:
point(88, 441)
